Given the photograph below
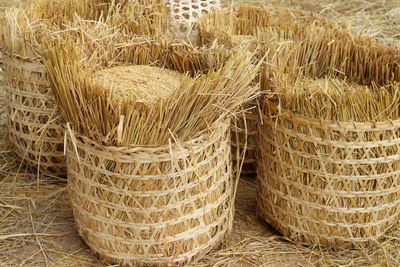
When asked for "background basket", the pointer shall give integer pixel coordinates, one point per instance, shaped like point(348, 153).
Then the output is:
point(152, 205)
point(33, 121)
point(330, 139)
point(344, 190)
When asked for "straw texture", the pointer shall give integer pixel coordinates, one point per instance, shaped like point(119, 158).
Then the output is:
point(152, 205)
point(239, 25)
point(329, 139)
point(244, 26)
point(33, 121)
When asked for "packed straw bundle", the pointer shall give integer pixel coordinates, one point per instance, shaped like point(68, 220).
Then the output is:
point(330, 139)
point(149, 164)
point(243, 26)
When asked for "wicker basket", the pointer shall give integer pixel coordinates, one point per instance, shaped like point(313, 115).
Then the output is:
point(33, 121)
point(154, 206)
point(343, 191)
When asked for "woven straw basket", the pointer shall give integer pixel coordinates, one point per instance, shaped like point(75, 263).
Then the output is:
point(33, 121)
point(237, 26)
point(152, 206)
point(329, 164)
point(344, 191)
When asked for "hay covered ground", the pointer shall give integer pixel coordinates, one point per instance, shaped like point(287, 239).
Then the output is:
point(36, 223)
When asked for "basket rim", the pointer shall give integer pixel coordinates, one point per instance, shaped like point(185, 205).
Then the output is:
point(221, 125)
point(365, 125)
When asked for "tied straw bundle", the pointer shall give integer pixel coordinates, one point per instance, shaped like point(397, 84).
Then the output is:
point(200, 101)
point(333, 76)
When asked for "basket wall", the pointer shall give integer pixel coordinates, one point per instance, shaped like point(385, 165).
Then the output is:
point(33, 121)
point(328, 183)
point(153, 206)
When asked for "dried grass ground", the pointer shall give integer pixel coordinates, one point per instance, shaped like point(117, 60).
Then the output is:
point(36, 223)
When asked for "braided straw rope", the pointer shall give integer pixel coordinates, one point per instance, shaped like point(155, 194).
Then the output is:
point(153, 206)
point(325, 182)
point(35, 128)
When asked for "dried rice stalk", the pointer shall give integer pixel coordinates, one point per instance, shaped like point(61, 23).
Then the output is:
point(253, 27)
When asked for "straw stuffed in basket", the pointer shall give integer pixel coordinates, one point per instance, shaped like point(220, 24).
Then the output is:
point(243, 26)
point(329, 139)
point(149, 163)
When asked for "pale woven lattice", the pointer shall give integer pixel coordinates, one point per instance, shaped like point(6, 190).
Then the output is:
point(328, 183)
point(185, 13)
point(244, 135)
point(152, 206)
point(34, 126)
